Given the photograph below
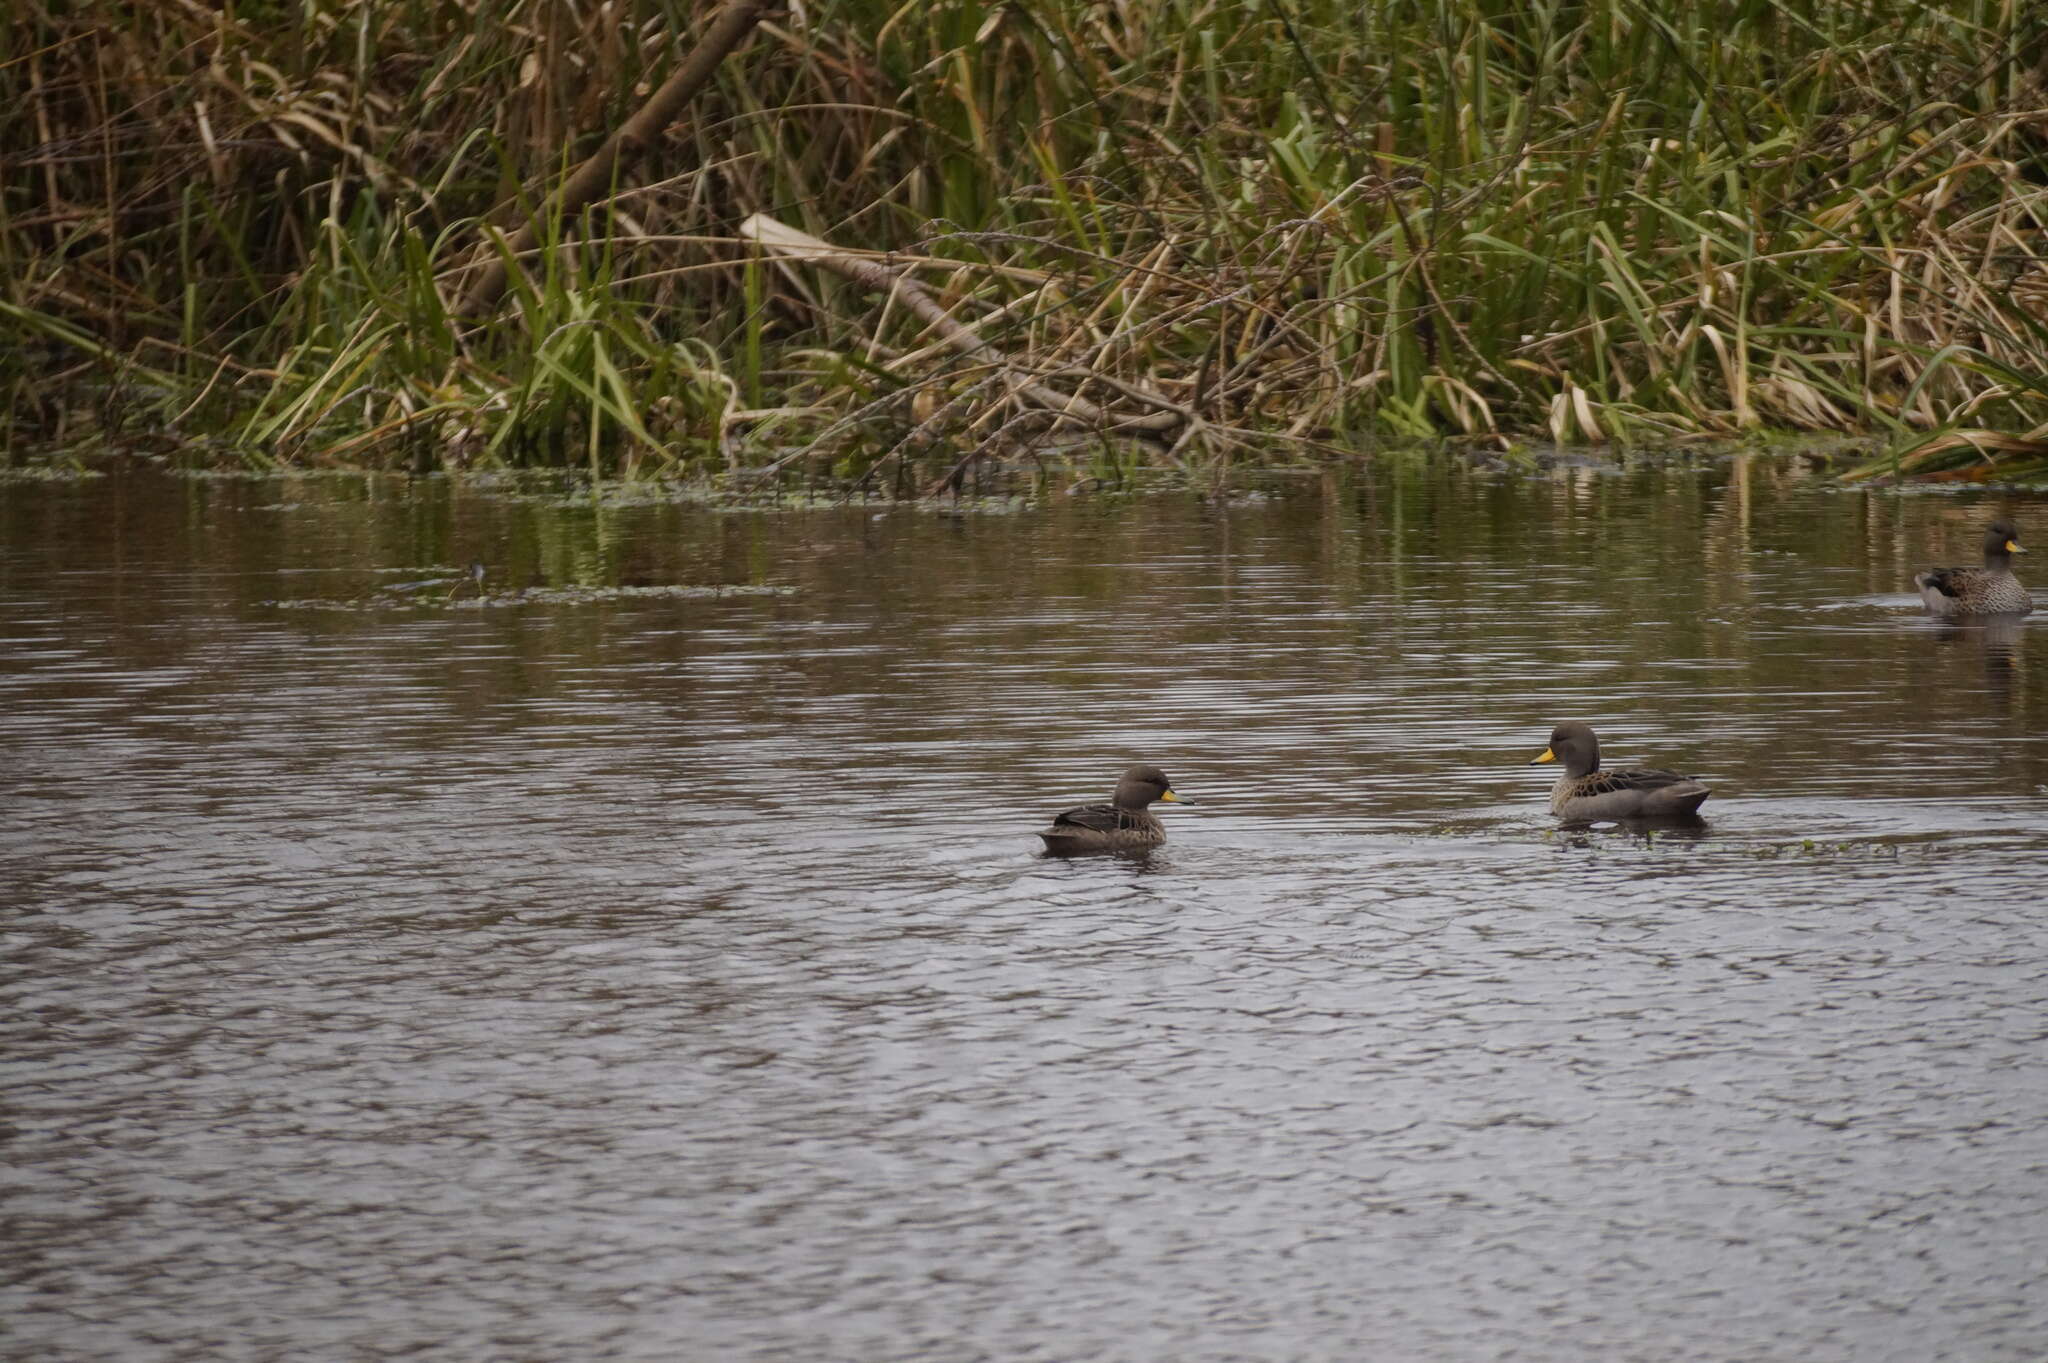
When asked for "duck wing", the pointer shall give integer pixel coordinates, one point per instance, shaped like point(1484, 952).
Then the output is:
point(1100, 818)
point(1609, 781)
point(1950, 582)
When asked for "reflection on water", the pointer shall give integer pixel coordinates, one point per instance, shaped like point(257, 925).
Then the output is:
point(652, 958)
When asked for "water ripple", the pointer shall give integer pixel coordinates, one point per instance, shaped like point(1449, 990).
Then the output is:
point(646, 975)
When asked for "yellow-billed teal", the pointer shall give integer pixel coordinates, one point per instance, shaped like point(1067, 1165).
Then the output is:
point(1124, 824)
point(1990, 590)
point(1584, 793)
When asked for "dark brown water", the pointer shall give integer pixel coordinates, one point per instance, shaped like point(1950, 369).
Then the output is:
point(668, 972)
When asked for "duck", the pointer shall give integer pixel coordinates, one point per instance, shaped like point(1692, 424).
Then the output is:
point(1584, 793)
point(1990, 590)
point(1124, 824)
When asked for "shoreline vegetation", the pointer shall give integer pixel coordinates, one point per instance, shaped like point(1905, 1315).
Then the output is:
point(898, 245)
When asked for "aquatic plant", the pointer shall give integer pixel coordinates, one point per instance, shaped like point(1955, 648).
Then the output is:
point(1256, 227)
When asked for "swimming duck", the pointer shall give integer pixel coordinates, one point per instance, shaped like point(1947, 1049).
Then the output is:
point(1990, 590)
point(1121, 825)
point(1585, 793)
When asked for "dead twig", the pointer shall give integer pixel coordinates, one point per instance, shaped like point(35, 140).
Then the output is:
point(601, 172)
point(790, 243)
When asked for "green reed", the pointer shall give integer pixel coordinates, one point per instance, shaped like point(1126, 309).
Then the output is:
point(1303, 222)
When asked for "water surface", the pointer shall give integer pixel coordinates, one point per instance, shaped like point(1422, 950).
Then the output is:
point(650, 958)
